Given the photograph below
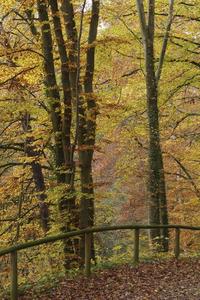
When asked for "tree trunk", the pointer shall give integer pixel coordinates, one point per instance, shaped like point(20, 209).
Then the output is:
point(154, 153)
point(156, 181)
point(61, 127)
point(52, 89)
point(87, 148)
point(38, 176)
point(85, 127)
point(72, 35)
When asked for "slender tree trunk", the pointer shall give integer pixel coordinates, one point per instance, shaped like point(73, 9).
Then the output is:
point(52, 89)
point(79, 102)
point(154, 154)
point(66, 126)
point(61, 126)
point(38, 176)
point(158, 213)
point(66, 87)
point(163, 210)
point(86, 152)
point(86, 127)
point(72, 35)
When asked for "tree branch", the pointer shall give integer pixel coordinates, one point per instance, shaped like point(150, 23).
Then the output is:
point(141, 13)
point(165, 41)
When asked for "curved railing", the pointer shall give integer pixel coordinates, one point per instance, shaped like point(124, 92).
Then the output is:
point(87, 232)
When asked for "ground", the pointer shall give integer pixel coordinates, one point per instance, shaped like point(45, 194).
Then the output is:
point(149, 281)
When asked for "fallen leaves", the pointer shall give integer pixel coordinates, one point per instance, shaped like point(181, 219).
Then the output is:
point(166, 280)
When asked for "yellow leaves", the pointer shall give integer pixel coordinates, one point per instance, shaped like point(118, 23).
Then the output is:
point(7, 5)
point(57, 192)
point(27, 59)
point(6, 72)
point(91, 115)
point(33, 77)
point(117, 247)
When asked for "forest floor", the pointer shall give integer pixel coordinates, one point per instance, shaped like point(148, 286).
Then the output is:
point(149, 281)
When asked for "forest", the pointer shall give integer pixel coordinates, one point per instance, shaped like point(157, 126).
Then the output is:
point(99, 149)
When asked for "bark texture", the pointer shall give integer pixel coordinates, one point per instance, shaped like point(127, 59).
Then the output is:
point(61, 121)
point(85, 106)
point(87, 142)
point(158, 213)
point(37, 172)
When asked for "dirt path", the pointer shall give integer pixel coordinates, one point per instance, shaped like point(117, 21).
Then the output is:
point(150, 281)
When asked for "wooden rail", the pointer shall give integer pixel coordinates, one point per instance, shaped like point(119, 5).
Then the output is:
point(87, 232)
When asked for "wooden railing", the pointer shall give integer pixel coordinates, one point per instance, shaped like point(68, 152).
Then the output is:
point(87, 232)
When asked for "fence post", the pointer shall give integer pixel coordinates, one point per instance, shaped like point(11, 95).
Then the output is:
point(136, 245)
point(87, 254)
point(14, 279)
point(177, 243)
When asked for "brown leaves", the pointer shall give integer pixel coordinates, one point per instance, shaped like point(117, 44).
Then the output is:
point(149, 281)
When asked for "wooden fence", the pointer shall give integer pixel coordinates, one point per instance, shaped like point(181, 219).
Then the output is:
point(13, 250)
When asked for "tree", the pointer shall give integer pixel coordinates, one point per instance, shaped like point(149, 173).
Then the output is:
point(28, 148)
point(85, 106)
point(156, 183)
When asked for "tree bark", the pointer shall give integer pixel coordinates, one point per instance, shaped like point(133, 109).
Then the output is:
point(86, 110)
point(87, 146)
point(52, 89)
point(72, 35)
point(38, 176)
point(158, 212)
point(61, 126)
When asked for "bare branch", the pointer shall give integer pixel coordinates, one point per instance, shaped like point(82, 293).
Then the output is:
point(165, 41)
point(141, 13)
point(18, 74)
point(187, 173)
point(11, 147)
